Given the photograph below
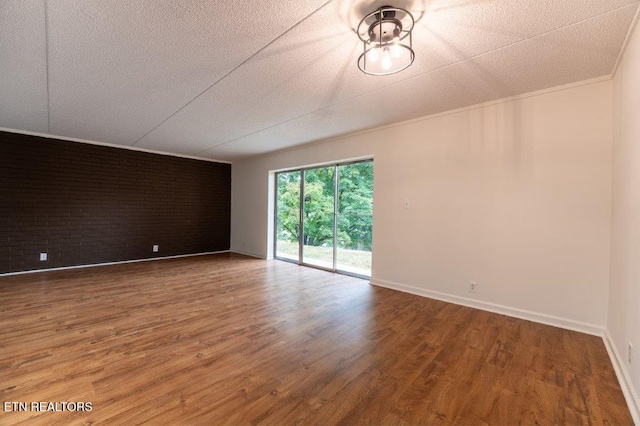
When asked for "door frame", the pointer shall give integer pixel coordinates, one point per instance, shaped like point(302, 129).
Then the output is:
point(336, 179)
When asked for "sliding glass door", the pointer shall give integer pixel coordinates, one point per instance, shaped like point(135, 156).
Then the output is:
point(324, 217)
point(318, 217)
point(288, 215)
point(354, 218)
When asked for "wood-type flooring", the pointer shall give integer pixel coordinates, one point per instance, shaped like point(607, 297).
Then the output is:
point(228, 339)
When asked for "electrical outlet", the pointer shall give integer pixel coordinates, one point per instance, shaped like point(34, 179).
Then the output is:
point(155, 248)
point(630, 352)
point(43, 257)
point(473, 286)
point(406, 204)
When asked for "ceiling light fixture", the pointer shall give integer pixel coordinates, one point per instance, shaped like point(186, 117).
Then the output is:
point(386, 35)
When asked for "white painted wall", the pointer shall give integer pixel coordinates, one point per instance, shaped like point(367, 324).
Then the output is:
point(624, 292)
point(514, 195)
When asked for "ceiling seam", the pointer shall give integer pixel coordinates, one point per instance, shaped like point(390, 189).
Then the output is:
point(234, 69)
point(419, 75)
point(46, 49)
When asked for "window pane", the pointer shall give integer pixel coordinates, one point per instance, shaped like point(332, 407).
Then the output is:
point(318, 216)
point(355, 218)
point(355, 189)
point(288, 215)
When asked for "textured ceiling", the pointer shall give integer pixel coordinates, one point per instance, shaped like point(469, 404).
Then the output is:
point(229, 79)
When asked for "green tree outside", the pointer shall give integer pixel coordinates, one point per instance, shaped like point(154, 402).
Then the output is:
point(355, 206)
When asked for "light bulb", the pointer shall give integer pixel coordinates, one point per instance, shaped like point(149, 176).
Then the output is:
point(396, 50)
point(373, 54)
point(386, 59)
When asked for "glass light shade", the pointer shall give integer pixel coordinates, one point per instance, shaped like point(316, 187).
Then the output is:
point(386, 63)
point(396, 51)
point(373, 54)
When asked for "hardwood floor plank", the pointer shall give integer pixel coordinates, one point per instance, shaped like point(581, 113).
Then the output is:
point(227, 339)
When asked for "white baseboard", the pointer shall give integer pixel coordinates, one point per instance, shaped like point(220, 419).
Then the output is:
point(62, 268)
point(568, 324)
point(630, 393)
point(628, 390)
point(247, 253)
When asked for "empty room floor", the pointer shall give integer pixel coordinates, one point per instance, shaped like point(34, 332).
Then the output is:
point(228, 339)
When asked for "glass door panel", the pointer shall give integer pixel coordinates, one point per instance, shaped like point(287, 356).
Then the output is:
point(355, 218)
point(288, 215)
point(324, 217)
point(318, 217)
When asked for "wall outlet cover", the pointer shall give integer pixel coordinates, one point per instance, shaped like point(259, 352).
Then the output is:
point(43, 257)
point(155, 248)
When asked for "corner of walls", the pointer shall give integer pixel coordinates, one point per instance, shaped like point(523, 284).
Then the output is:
point(247, 253)
point(628, 390)
point(623, 316)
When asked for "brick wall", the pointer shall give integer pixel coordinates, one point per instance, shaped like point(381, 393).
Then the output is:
point(85, 204)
